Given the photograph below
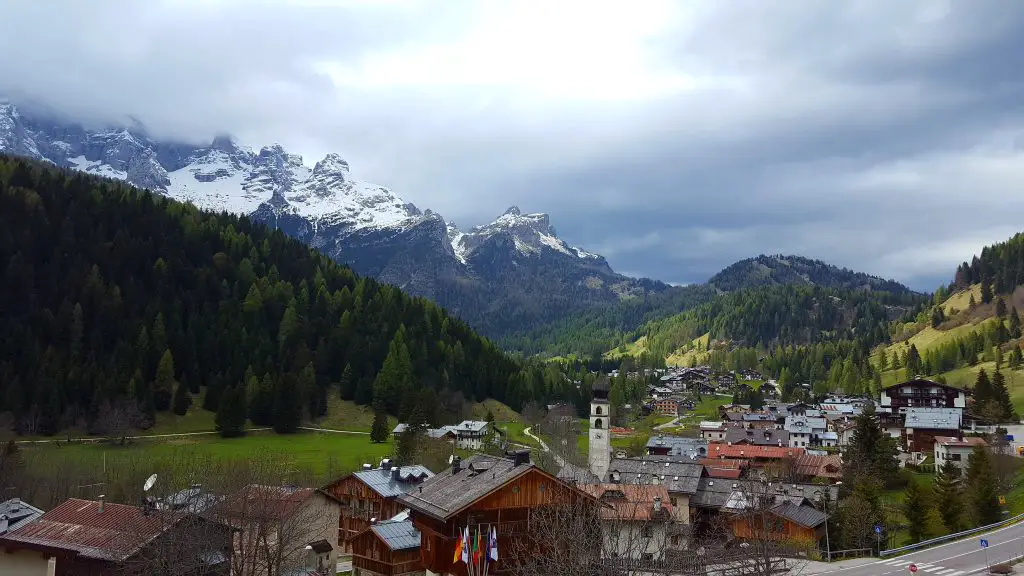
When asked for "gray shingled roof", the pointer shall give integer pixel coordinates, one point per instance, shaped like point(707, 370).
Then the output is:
point(398, 535)
point(677, 475)
point(717, 492)
point(933, 418)
point(756, 437)
point(680, 446)
point(446, 493)
point(384, 483)
point(806, 516)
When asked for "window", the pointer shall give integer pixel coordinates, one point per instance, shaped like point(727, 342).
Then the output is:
point(648, 531)
point(672, 500)
point(597, 423)
point(954, 457)
point(597, 410)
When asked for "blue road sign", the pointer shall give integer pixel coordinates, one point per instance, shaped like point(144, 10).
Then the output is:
point(878, 529)
point(984, 543)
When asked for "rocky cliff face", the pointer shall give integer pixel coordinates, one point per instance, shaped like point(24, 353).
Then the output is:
point(499, 277)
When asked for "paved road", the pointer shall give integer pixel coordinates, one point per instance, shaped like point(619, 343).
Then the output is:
point(958, 558)
point(544, 446)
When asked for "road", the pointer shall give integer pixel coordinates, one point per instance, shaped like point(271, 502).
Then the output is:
point(958, 558)
point(669, 424)
point(544, 446)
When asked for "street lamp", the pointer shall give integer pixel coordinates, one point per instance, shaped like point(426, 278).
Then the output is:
point(823, 497)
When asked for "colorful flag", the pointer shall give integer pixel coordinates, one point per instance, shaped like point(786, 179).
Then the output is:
point(492, 546)
point(476, 546)
point(464, 544)
point(458, 550)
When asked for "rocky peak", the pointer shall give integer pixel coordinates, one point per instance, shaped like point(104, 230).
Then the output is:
point(224, 143)
point(513, 211)
point(331, 164)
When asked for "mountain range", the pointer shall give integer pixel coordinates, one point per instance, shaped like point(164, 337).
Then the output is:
point(501, 277)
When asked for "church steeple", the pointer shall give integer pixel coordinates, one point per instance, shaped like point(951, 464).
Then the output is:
point(600, 420)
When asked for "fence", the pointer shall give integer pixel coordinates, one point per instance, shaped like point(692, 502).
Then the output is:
point(694, 566)
point(847, 554)
point(949, 537)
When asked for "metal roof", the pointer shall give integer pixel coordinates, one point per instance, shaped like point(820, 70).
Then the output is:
point(676, 476)
point(446, 493)
point(397, 535)
point(383, 481)
point(680, 446)
point(933, 418)
point(803, 515)
point(14, 514)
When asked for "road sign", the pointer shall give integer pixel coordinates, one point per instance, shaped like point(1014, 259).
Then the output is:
point(1002, 500)
point(984, 543)
point(878, 529)
point(912, 568)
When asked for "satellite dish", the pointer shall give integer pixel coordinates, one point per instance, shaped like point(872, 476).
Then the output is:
point(149, 483)
point(451, 458)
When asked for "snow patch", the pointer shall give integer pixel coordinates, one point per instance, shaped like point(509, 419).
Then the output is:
point(554, 243)
point(96, 167)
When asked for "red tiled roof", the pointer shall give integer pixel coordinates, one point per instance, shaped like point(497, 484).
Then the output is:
point(257, 500)
point(743, 451)
point(819, 466)
point(635, 503)
point(730, 473)
point(724, 463)
point(78, 526)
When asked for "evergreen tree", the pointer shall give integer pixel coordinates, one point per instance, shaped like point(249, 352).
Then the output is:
point(949, 498)
point(913, 362)
point(1014, 329)
point(986, 291)
point(287, 406)
point(872, 452)
point(1015, 357)
point(379, 430)
point(916, 509)
point(163, 385)
point(1000, 307)
point(230, 419)
point(982, 488)
point(394, 381)
point(261, 401)
point(347, 383)
point(1002, 396)
point(983, 391)
point(182, 399)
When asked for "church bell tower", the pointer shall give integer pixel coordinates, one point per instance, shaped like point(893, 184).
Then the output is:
point(600, 419)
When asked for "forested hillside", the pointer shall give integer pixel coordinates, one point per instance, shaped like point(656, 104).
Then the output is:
point(118, 302)
point(779, 270)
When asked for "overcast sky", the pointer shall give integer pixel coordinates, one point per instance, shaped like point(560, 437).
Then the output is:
point(672, 137)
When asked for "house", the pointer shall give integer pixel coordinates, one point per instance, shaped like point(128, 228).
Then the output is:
point(733, 409)
point(844, 431)
point(759, 420)
point(922, 425)
point(281, 529)
point(679, 476)
point(389, 548)
point(921, 393)
point(661, 445)
point(712, 430)
point(764, 437)
point(370, 494)
point(805, 431)
point(758, 456)
point(724, 468)
point(84, 537)
point(955, 449)
point(192, 499)
point(15, 513)
point(636, 521)
point(715, 497)
point(667, 406)
point(809, 467)
point(442, 433)
point(782, 521)
point(471, 434)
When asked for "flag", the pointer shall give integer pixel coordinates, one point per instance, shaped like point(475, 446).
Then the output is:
point(464, 545)
point(476, 546)
point(459, 552)
point(492, 546)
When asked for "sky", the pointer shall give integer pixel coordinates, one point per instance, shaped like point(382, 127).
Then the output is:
point(672, 137)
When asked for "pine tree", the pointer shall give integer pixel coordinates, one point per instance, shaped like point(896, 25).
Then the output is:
point(1002, 396)
point(983, 391)
point(182, 399)
point(287, 405)
point(379, 430)
point(982, 489)
point(1000, 307)
point(347, 383)
point(986, 290)
point(916, 508)
point(163, 385)
point(872, 452)
point(230, 419)
point(913, 362)
point(1015, 357)
point(1014, 329)
point(394, 381)
point(949, 497)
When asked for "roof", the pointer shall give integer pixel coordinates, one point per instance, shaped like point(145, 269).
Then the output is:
point(819, 466)
point(192, 499)
point(397, 534)
point(631, 501)
point(677, 476)
point(15, 513)
point(679, 446)
point(717, 493)
point(932, 418)
point(383, 480)
point(965, 442)
point(926, 382)
point(806, 516)
point(321, 546)
point(478, 426)
point(577, 474)
point(756, 437)
point(725, 473)
point(78, 526)
point(758, 417)
point(719, 450)
point(270, 501)
point(445, 494)
point(804, 424)
point(711, 425)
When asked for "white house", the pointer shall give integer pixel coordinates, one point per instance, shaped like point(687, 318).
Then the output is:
point(806, 431)
point(470, 434)
point(712, 431)
point(957, 450)
point(637, 522)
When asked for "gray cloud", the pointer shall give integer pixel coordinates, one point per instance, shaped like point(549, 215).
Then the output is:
point(675, 139)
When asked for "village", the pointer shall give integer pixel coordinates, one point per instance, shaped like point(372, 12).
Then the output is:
point(744, 493)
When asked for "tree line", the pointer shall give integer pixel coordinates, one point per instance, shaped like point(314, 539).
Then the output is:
point(118, 301)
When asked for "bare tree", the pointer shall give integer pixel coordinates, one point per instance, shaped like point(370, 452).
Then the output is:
point(117, 420)
point(533, 413)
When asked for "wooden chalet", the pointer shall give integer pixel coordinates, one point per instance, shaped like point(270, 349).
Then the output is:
point(389, 548)
point(784, 521)
point(921, 393)
point(482, 492)
point(371, 493)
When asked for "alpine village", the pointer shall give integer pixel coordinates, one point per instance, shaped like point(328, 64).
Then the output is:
point(192, 389)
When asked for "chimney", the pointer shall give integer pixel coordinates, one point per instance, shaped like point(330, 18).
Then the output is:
point(396, 474)
point(101, 497)
point(657, 503)
point(385, 464)
point(456, 465)
point(367, 467)
point(521, 457)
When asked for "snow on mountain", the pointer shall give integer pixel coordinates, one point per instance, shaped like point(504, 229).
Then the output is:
point(530, 233)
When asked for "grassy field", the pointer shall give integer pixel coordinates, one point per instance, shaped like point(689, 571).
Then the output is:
point(501, 412)
point(678, 358)
point(630, 349)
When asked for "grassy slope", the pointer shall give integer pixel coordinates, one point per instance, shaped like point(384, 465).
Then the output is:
point(678, 358)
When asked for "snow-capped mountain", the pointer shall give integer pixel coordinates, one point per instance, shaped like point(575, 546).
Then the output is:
point(517, 261)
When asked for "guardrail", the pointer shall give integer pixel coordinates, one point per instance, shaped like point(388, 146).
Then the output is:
point(949, 537)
